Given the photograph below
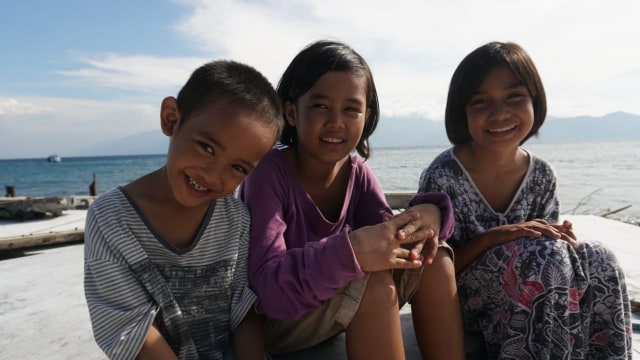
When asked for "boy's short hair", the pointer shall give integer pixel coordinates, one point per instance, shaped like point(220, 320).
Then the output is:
point(241, 84)
point(472, 71)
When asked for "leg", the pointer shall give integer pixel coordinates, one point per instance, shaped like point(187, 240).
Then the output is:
point(609, 330)
point(375, 332)
point(436, 312)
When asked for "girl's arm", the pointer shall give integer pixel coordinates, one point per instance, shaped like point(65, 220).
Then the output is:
point(436, 221)
point(498, 235)
point(292, 270)
point(437, 217)
point(290, 275)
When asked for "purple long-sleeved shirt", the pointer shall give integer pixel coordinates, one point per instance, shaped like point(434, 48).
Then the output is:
point(297, 258)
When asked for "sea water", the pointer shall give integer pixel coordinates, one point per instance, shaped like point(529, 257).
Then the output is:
point(593, 178)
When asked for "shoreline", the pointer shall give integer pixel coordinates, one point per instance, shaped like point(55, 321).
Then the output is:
point(395, 199)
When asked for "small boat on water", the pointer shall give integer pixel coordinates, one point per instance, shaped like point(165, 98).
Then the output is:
point(54, 158)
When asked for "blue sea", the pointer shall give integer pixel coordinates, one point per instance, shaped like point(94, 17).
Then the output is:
point(593, 178)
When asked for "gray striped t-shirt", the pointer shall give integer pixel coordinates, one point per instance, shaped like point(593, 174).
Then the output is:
point(197, 296)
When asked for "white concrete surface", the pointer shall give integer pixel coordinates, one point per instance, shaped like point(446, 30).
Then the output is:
point(68, 221)
point(43, 313)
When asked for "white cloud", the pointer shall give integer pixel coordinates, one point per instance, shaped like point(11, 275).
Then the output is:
point(581, 47)
point(584, 50)
point(135, 72)
point(62, 125)
point(12, 108)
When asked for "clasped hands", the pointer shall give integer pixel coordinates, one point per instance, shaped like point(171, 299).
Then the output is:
point(398, 242)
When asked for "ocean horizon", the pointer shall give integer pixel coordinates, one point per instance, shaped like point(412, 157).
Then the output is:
point(593, 178)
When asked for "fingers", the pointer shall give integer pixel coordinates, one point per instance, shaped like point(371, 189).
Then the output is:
point(386, 216)
point(405, 223)
point(571, 235)
point(569, 239)
point(550, 232)
point(544, 228)
point(568, 229)
point(421, 250)
point(527, 232)
point(399, 263)
point(431, 250)
point(405, 237)
point(416, 251)
point(403, 259)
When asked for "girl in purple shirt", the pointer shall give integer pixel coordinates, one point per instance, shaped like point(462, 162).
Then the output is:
point(326, 256)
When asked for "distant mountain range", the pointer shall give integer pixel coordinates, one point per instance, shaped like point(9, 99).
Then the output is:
point(415, 131)
point(408, 131)
point(148, 142)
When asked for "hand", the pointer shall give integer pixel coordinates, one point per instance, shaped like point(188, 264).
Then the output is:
point(429, 228)
point(566, 232)
point(378, 247)
point(430, 225)
point(533, 229)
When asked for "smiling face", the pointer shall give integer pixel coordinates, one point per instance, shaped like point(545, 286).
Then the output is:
point(329, 118)
point(500, 112)
point(213, 150)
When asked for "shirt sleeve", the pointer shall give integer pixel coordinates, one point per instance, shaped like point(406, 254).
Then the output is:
point(121, 312)
point(290, 282)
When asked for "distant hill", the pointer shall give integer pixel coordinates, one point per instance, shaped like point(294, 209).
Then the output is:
point(415, 131)
point(412, 131)
point(148, 142)
point(611, 127)
point(408, 131)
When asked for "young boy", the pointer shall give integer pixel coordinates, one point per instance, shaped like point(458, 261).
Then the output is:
point(166, 255)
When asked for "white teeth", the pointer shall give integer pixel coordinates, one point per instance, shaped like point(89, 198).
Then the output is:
point(197, 186)
point(332, 140)
point(502, 129)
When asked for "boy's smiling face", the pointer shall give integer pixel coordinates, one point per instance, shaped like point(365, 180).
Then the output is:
point(213, 150)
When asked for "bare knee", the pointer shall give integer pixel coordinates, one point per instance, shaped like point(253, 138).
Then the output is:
point(442, 266)
point(438, 280)
point(380, 293)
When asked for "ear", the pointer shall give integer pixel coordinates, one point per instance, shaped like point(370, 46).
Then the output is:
point(290, 113)
point(169, 116)
point(367, 114)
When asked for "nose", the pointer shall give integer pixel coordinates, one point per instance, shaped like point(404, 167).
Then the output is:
point(212, 173)
point(499, 110)
point(334, 118)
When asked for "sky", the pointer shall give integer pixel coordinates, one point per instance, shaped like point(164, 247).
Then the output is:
point(77, 72)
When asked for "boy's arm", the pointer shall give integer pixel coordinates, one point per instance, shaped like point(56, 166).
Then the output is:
point(248, 339)
point(155, 347)
point(120, 310)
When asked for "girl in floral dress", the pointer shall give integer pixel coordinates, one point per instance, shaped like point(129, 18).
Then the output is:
point(526, 285)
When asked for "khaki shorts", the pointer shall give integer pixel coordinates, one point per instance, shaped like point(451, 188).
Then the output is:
point(283, 336)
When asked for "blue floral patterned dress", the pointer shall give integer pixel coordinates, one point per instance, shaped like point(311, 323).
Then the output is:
point(533, 298)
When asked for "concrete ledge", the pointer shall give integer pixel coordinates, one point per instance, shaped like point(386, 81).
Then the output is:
point(67, 227)
point(44, 313)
